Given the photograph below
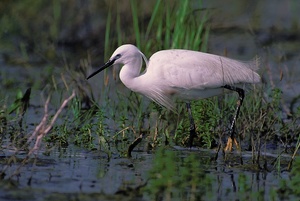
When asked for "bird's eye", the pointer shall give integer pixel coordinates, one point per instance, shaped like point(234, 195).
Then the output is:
point(118, 56)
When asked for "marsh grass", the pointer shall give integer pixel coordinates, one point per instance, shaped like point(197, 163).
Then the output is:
point(109, 122)
point(117, 119)
point(160, 33)
point(170, 181)
point(31, 143)
point(176, 177)
point(182, 25)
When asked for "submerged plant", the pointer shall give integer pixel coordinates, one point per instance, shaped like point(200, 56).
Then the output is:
point(20, 105)
point(171, 180)
point(295, 178)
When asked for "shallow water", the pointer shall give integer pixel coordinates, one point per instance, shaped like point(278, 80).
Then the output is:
point(75, 173)
point(241, 31)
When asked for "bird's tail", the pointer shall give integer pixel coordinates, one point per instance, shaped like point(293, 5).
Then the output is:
point(254, 63)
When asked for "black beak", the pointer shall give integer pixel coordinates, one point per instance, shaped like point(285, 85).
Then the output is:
point(107, 64)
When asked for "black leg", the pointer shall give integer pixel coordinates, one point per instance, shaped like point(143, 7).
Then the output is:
point(239, 103)
point(192, 125)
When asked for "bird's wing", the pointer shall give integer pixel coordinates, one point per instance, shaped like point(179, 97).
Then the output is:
point(162, 98)
point(196, 70)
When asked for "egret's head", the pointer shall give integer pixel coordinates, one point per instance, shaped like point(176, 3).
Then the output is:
point(125, 54)
point(122, 55)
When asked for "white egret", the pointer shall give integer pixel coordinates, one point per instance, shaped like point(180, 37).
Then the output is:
point(183, 74)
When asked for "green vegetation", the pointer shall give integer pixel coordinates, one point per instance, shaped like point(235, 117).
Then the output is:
point(161, 33)
point(129, 112)
point(176, 177)
point(108, 118)
point(169, 179)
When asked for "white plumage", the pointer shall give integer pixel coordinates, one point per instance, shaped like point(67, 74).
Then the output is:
point(182, 74)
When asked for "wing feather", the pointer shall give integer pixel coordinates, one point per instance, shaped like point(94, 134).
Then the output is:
point(196, 70)
point(161, 97)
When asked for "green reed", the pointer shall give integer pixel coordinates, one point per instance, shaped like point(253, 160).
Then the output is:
point(171, 25)
point(179, 25)
point(172, 178)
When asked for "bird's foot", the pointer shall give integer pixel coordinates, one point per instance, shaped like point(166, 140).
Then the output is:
point(229, 144)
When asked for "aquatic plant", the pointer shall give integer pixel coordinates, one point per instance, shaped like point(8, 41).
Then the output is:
point(109, 123)
point(170, 181)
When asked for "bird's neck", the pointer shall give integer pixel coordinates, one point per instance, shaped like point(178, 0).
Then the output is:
point(130, 72)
